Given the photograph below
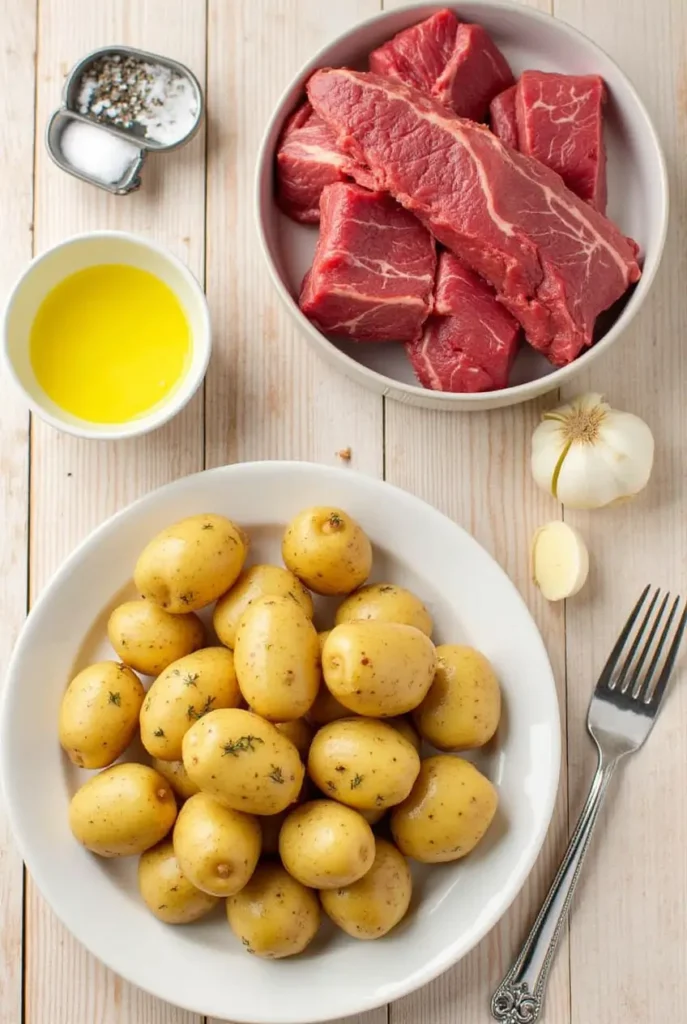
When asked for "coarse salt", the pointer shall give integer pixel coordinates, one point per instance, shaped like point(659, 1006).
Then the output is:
point(97, 153)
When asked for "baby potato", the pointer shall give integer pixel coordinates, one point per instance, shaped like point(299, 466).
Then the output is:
point(177, 776)
point(274, 915)
point(277, 659)
point(167, 892)
point(148, 639)
point(254, 583)
point(183, 693)
point(99, 714)
point(378, 669)
point(299, 732)
point(385, 602)
point(217, 848)
point(326, 845)
point(322, 637)
point(363, 763)
point(191, 563)
point(124, 810)
point(448, 811)
point(243, 761)
point(327, 550)
point(326, 708)
point(463, 705)
point(374, 815)
point(372, 906)
point(407, 731)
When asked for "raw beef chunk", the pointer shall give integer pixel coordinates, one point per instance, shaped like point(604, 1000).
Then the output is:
point(554, 261)
point(502, 117)
point(307, 160)
point(373, 271)
point(470, 341)
point(456, 63)
point(560, 122)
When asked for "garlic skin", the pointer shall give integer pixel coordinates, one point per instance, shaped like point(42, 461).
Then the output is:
point(589, 455)
point(560, 560)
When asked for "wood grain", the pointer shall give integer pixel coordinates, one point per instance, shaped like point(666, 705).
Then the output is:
point(76, 484)
point(17, 95)
point(628, 927)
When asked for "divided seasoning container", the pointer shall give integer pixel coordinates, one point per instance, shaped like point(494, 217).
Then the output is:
point(117, 151)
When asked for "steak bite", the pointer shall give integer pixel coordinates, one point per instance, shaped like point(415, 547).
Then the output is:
point(560, 122)
point(373, 272)
point(554, 261)
point(456, 63)
point(470, 341)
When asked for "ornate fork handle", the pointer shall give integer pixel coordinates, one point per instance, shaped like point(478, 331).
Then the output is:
point(519, 997)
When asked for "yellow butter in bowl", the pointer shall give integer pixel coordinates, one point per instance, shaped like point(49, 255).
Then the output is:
point(109, 343)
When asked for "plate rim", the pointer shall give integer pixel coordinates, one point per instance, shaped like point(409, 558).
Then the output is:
point(453, 952)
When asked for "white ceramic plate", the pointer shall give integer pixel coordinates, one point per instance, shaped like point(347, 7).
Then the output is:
point(202, 967)
point(637, 188)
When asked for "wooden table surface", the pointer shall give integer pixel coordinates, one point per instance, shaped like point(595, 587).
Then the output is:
point(266, 396)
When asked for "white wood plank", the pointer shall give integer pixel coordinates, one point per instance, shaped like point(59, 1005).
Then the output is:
point(628, 926)
point(17, 95)
point(268, 396)
point(76, 484)
point(475, 468)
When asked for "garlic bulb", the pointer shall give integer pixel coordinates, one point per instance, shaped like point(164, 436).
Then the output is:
point(560, 560)
point(589, 455)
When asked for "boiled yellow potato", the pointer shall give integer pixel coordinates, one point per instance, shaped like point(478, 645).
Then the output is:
point(325, 845)
point(148, 639)
point(407, 731)
point(176, 776)
point(124, 810)
point(363, 763)
point(300, 732)
point(166, 891)
point(217, 847)
point(326, 708)
point(277, 655)
point(99, 714)
point(374, 815)
point(253, 583)
point(327, 550)
point(378, 669)
point(191, 563)
point(385, 602)
point(372, 906)
point(463, 705)
point(322, 637)
point(274, 915)
point(450, 808)
point(182, 694)
point(243, 761)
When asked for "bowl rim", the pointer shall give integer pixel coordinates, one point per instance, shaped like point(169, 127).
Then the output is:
point(446, 400)
point(450, 954)
point(170, 406)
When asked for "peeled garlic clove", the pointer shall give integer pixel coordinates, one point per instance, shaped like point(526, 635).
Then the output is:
point(560, 560)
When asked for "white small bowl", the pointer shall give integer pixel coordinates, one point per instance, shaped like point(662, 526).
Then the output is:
point(637, 188)
point(70, 256)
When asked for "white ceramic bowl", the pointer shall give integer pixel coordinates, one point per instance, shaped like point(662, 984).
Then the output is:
point(70, 256)
point(637, 185)
point(203, 967)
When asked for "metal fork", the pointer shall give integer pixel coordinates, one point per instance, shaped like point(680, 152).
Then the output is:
point(622, 712)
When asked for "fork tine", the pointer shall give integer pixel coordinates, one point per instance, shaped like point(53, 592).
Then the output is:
point(643, 654)
point(607, 670)
point(619, 683)
point(653, 699)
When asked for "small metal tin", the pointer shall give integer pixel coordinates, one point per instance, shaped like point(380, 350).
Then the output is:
point(71, 90)
point(53, 133)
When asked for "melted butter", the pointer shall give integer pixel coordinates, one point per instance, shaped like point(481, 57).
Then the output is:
point(109, 343)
